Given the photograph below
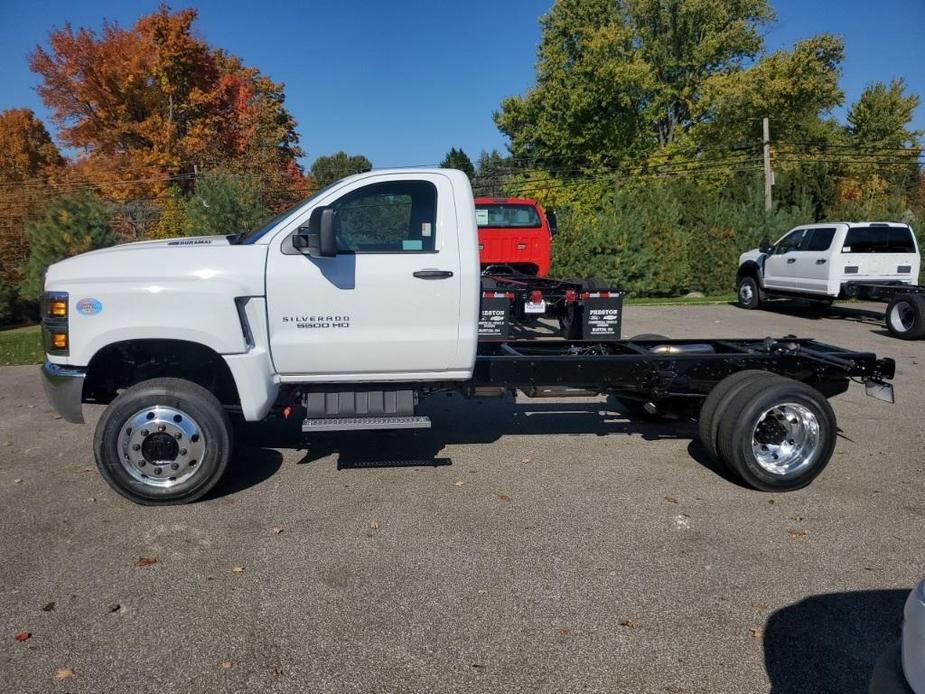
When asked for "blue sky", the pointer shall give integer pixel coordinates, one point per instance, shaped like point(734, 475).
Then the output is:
point(403, 81)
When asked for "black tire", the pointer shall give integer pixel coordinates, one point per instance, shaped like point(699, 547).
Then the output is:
point(905, 316)
point(748, 293)
point(739, 428)
point(193, 411)
point(715, 404)
point(570, 322)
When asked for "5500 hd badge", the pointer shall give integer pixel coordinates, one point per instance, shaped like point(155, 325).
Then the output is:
point(318, 321)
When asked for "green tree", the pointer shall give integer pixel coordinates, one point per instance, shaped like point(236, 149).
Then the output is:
point(332, 167)
point(458, 159)
point(618, 79)
point(172, 219)
point(881, 117)
point(225, 202)
point(66, 226)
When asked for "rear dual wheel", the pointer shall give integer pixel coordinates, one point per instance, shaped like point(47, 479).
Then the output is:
point(905, 316)
point(776, 434)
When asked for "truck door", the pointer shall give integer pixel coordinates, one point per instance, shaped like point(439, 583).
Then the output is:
point(388, 303)
point(779, 266)
point(812, 267)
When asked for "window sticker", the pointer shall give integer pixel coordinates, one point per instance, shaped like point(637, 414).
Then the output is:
point(846, 249)
point(412, 245)
point(425, 229)
point(481, 217)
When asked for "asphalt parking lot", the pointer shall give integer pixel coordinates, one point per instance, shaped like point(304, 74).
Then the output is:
point(530, 546)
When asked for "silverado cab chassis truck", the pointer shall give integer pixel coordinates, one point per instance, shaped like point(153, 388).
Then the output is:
point(352, 307)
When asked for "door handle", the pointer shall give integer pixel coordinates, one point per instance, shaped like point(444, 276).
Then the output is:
point(433, 274)
point(791, 260)
point(820, 261)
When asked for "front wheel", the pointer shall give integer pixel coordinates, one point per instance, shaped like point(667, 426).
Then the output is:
point(749, 294)
point(163, 441)
point(905, 316)
point(777, 435)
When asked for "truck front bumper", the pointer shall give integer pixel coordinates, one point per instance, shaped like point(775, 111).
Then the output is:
point(64, 390)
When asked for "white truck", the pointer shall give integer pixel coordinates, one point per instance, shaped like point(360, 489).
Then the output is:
point(343, 312)
point(877, 261)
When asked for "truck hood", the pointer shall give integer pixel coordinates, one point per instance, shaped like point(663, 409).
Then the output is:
point(210, 259)
point(754, 254)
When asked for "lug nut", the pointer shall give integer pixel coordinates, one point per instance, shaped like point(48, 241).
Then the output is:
point(136, 447)
point(174, 466)
point(141, 463)
point(144, 432)
point(178, 436)
point(161, 427)
point(157, 471)
point(182, 451)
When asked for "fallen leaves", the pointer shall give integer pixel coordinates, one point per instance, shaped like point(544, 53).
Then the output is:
point(225, 665)
point(63, 673)
point(459, 483)
point(563, 632)
point(503, 498)
point(145, 561)
point(629, 623)
point(48, 606)
point(277, 530)
point(23, 635)
point(671, 500)
point(757, 632)
point(761, 606)
point(116, 607)
point(526, 461)
point(237, 569)
point(796, 534)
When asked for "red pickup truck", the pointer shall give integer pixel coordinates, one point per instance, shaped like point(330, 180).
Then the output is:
point(514, 233)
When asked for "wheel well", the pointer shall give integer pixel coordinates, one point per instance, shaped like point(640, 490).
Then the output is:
point(123, 364)
point(749, 269)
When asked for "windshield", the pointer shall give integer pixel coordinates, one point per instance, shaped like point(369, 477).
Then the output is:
point(507, 216)
point(879, 240)
point(252, 236)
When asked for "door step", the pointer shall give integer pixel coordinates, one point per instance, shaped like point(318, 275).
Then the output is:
point(358, 423)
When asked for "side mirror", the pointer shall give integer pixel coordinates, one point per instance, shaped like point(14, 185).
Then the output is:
point(765, 247)
point(317, 239)
point(551, 221)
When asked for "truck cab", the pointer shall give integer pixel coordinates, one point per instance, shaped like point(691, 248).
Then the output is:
point(515, 234)
point(823, 261)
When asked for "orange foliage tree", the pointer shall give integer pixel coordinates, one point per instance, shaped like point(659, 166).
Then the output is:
point(29, 163)
point(152, 105)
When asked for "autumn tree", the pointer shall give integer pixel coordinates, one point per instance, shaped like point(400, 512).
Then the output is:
point(29, 161)
point(458, 159)
point(329, 168)
point(152, 103)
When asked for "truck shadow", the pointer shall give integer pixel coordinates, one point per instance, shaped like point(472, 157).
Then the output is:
point(844, 312)
point(830, 642)
point(460, 421)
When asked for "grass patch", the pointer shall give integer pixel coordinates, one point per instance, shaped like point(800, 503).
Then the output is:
point(21, 346)
point(680, 300)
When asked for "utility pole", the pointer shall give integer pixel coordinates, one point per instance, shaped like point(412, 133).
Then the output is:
point(768, 174)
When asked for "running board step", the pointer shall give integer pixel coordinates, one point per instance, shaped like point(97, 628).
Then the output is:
point(357, 423)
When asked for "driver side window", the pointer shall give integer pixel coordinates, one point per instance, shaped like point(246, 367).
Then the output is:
point(790, 242)
point(392, 217)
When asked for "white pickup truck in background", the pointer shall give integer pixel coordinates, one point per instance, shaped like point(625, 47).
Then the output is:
point(822, 262)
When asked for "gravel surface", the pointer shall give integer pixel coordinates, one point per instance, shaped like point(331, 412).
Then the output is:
point(528, 546)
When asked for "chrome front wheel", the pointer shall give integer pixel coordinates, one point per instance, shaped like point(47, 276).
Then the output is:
point(162, 446)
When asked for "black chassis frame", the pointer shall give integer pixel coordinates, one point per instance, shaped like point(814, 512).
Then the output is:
point(667, 370)
point(879, 291)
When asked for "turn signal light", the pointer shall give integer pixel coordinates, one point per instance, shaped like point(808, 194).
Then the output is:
point(57, 308)
point(59, 340)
